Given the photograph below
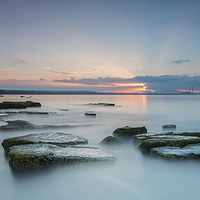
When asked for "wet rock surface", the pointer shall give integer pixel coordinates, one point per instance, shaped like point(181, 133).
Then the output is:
point(40, 150)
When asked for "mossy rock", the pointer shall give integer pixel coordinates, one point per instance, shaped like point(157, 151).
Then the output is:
point(111, 140)
point(127, 132)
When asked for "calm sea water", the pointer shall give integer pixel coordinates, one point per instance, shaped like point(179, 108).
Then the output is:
point(132, 176)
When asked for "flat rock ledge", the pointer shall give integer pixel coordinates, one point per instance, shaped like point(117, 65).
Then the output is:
point(173, 146)
point(35, 151)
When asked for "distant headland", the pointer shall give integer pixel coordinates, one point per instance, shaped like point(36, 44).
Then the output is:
point(56, 92)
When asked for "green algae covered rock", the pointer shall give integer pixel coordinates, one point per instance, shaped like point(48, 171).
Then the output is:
point(111, 140)
point(35, 151)
point(127, 132)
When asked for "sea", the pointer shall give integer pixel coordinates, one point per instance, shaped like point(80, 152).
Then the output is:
point(133, 176)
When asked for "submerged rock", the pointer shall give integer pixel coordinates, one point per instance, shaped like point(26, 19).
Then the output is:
point(17, 124)
point(40, 150)
point(127, 132)
point(111, 140)
point(18, 105)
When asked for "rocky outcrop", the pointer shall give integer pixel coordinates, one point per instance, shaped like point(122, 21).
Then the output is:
point(127, 132)
point(40, 150)
point(111, 140)
point(18, 105)
point(170, 145)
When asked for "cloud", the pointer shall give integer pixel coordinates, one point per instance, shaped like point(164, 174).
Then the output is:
point(7, 71)
point(180, 61)
point(112, 84)
point(60, 72)
point(98, 81)
point(152, 83)
point(20, 60)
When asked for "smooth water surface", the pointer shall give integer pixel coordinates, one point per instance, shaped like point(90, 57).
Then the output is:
point(132, 176)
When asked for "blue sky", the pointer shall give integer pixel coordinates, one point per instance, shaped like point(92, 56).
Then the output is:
point(113, 45)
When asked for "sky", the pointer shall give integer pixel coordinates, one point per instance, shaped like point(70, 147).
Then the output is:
point(100, 45)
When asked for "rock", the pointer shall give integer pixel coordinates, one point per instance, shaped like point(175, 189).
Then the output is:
point(18, 105)
point(64, 109)
point(36, 151)
point(90, 113)
point(169, 126)
point(178, 153)
point(173, 141)
point(17, 124)
point(127, 132)
point(111, 140)
point(103, 104)
point(170, 145)
point(34, 112)
point(46, 137)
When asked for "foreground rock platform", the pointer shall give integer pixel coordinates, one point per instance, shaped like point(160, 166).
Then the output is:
point(174, 146)
point(40, 150)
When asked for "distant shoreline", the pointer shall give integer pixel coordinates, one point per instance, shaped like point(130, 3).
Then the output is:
point(53, 92)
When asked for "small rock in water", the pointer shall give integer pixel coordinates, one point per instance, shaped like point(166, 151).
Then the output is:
point(90, 113)
point(169, 126)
